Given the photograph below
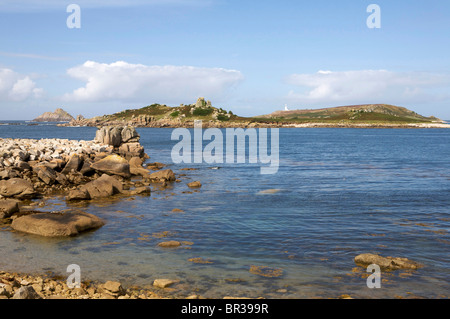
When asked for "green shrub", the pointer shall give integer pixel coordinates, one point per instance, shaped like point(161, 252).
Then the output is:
point(203, 112)
point(223, 118)
point(175, 114)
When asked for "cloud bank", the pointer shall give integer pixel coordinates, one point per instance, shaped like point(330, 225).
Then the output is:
point(368, 86)
point(122, 81)
point(15, 87)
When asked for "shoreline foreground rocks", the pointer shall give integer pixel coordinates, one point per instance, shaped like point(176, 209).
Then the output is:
point(26, 286)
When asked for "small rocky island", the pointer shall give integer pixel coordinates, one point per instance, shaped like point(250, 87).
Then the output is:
point(58, 116)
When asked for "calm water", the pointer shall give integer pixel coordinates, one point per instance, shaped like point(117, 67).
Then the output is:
point(342, 192)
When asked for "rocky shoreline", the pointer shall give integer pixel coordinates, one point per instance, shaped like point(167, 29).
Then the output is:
point(110, 165)
point(50, 286)
point(27, 286)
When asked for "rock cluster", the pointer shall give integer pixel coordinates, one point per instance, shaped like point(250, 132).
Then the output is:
point(82, 170)
point(29, 167)
point(21, 286)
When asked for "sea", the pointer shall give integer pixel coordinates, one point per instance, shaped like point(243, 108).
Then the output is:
point(338, 193)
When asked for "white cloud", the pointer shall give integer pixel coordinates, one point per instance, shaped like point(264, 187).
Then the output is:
point(16, 87)
point(147, 84)
point(367, 86)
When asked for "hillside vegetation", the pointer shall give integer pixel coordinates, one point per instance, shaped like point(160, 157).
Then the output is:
point(370, 113)
point(159, 115)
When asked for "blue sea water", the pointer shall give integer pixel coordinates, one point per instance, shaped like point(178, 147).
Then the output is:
point(340, 193)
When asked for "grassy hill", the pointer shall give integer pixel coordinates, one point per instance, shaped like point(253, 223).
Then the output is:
point(202, 110)
point(158, 115)
point(369, 113)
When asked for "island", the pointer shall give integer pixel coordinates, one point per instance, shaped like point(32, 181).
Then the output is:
point(359, 116)
point(58, 116)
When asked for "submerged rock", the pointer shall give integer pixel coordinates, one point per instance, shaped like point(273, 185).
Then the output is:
point(170, 244)
point(386, 263)
point(265, 271)
point(195, 184)
point(269, 191)
point(164, 175)
point(61, 224)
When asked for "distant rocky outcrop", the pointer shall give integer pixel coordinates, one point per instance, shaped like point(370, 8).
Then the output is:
point(58, 116)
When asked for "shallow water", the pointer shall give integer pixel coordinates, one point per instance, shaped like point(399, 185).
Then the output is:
point(339, 193)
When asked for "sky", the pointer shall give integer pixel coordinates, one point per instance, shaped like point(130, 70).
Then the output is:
point(251, 57)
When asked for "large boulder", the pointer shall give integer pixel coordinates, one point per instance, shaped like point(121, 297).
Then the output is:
point(113, 165)
point(129, 135)
point(116, 135)
point(74, 164)
point(386, 263)
point(61, 224)
point(109, 135)
point(8, 207)
point(130, 150)
point(136, 162)
point(46, 174)
point(104, 186)
point(17, 188)
point(86, 169)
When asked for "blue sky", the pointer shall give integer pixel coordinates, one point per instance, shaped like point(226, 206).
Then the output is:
point(251, 57)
